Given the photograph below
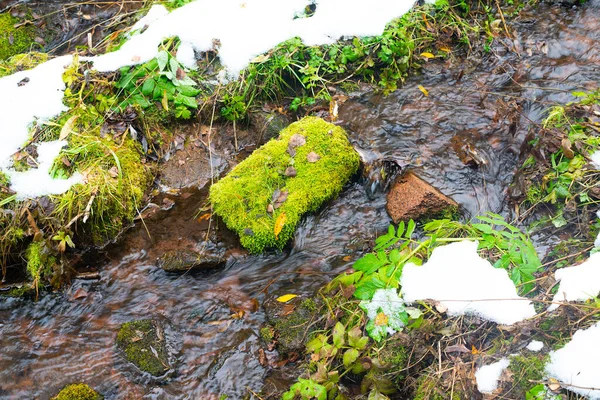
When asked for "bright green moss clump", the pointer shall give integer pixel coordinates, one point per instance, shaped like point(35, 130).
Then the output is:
point(21, 62)
point(144, 346)
point(247, 198)
point(78, 391)
point(14, 40)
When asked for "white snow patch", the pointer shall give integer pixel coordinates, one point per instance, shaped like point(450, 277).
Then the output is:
point(465, 283)
point(487, 376)
point(595, 158)
point(535, 345)
point(37, 182)
point(244, 29)
point(578, 283)
point(40, 98)
point(155, 12)
point(576, 364)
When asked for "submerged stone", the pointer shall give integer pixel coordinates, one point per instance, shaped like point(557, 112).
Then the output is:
point(184, 260)
point(243, 196)
point(78, 391)
point(412, 198)
point(143, 344)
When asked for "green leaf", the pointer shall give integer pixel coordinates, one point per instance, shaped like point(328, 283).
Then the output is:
point(366, 288)
point(162, 58)
point(188, 90)
point(483, 228)
point(400, 231)
point(410, 229)
point(349, 357)
point(186, 101)
point(148, 87)
point(338, 335)
point(369, 263)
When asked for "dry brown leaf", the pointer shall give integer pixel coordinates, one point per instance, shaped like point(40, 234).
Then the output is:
point(67, 127)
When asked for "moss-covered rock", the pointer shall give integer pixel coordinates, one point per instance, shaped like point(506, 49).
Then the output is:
point(290, 331)
point(14, 40)
point(143, 343)
point(263, 198)
point(78, 391)
point(21, 62)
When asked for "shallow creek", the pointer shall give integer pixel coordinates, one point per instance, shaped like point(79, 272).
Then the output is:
point(487, 105)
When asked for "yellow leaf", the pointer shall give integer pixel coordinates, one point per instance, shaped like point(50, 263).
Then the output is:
point(286, 297)
point(446, 49)
point(67, 127)
point(279, 222)
point(165, 101)
point(427, 55)
point(553, 385)
point(422, 89)
point(474, 350)
point(260, 59)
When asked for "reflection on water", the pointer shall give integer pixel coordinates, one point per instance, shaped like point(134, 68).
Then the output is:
point(486, 107)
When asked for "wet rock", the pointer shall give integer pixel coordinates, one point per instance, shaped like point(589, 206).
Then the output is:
point(412, 198)
point(143, 344)
point(268, 124)
point(290, 324)
point(78, 391)
point(183, 260)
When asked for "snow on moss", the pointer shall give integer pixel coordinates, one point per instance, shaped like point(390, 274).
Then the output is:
point(487, 376)
point(578, 283)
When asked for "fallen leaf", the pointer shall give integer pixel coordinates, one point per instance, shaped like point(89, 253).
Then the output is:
point(270, 209)
point(79, 294)
point(279, 224)
point(312, 157)
point(565, 145)
point(260, 59)
point(427, 55)
point(67, 127)
point(286, 297)
point(287, 310)
point(474, 350)
point(280, 199)
point(290, 172)
point(457, 348)
point(423, 90)
point(165, 101)
point(553, 385)
point(446, 49)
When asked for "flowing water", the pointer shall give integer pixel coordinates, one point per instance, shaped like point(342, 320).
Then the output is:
point(484, 107)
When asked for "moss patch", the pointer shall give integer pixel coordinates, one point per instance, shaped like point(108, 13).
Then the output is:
point(78, 391)
point(143, 344)
point(21, 62)
point(14, 40)
point(527, 370)
point(245, 197)
point(40, 262)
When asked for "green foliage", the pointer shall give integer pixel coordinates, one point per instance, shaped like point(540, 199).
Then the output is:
point(246, 195)
point(499, 242)
point(40, 262)
point(304, 72)
point(14, 40)
point(78, 391)
point(541, 392)
point(162, 80)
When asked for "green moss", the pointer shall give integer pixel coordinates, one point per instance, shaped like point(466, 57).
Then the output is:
point(14, 40)
point(526, 370)
point(21, 62)
point(40, 262)
point(144, 346)
point(78, 391)
point(116, 183)
point(292, 331)
point(242, 198)
point(267, 334)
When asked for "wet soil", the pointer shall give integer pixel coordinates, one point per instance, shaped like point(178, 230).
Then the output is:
point(486, 104)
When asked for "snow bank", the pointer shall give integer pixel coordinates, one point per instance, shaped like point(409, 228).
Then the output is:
point(465, 283)
point(244, 29)
point(595, 158)
point(487, 376)
point(576, 364)
point(240, 29)
point(37, 181)
point(578, 283)
point(535, 345)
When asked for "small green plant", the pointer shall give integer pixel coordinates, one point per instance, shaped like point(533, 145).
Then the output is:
point(541, 392)
point(162, 80)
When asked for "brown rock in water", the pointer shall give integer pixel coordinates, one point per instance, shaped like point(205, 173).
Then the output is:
point(184, 260)
point(413, 198)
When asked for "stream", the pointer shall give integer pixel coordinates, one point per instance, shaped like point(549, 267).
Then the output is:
point(487, 105)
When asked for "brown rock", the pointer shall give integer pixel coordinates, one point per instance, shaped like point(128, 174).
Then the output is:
point(413, 198)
